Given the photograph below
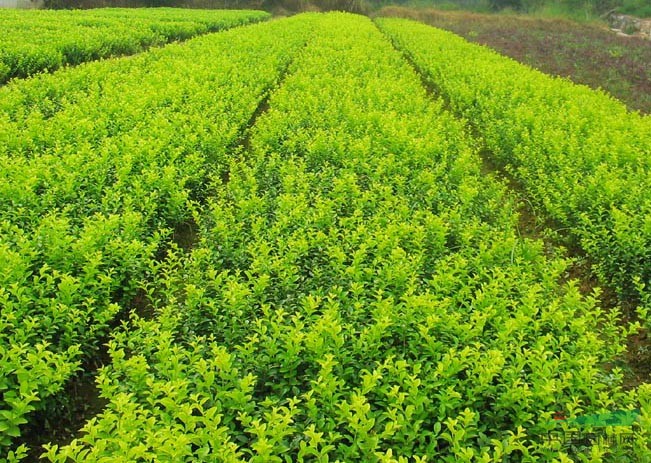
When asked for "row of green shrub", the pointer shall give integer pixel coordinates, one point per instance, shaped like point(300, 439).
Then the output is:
point(97, 165)
point(33, 41)
point(359, 292)
point(582, 158)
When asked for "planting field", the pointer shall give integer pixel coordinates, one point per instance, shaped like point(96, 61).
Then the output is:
point(282, 246)
point(44, 40)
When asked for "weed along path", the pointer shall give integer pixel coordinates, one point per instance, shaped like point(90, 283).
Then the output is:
point(358, 292)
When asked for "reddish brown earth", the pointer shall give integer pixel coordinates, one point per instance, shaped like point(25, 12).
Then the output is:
point(588, 54)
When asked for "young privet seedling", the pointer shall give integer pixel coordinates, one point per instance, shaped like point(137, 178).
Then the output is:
point(586, 135)
point(88, 202)
point(359, 292)
point(34, 41)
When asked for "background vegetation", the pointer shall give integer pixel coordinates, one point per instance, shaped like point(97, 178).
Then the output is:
point(575, 9)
